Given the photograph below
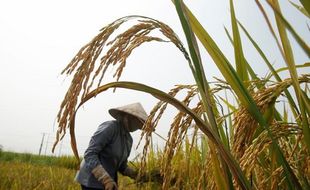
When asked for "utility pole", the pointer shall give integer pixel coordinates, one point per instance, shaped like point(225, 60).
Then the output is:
point(46, 144)
point(60, 148)
point(43, 134)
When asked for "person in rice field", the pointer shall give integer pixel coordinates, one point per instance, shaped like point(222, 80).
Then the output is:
point(109, 149)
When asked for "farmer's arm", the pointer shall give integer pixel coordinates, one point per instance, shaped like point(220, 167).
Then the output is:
point(101, 138)
point(128, 171)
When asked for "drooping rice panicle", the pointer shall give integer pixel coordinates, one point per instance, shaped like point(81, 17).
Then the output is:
point(90, 63)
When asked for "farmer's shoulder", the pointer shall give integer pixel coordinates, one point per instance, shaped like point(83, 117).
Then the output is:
point(109, 126)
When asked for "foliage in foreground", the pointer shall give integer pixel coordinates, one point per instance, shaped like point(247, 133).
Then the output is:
point(250, 145)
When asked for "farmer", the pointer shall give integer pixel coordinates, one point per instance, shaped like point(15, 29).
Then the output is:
point(109, 149)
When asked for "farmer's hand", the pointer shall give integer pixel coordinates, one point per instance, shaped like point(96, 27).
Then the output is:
point(152, 176)
point(102, 175)
point(109, 183)
point(130, 173)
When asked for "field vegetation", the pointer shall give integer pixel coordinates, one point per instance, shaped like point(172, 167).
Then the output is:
point(28, 172)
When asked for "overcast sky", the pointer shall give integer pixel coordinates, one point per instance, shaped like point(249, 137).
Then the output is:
point(39, 38)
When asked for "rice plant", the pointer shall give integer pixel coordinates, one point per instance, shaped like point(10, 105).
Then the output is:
point(250, 145)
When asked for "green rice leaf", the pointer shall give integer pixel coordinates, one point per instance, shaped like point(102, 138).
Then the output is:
point(200, 76)
point(301, 9)
point(289, 59)
point(305, 65)
point(286, 24)
point(241, 65)
point(220, 60)
point(292, 103)
point(306, 99)
point(285, 114)
point(217, 170)
point(203, 87)
point(229, 105)
point(249, 68)
point(306, 4)
point(227, 70)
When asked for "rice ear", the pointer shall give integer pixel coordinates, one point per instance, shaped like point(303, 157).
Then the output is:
point(245, 126)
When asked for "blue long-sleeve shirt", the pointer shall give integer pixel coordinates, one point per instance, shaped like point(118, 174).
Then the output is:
point(110, 146)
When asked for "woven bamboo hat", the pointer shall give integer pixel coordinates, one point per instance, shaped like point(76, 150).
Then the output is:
point(134, 109)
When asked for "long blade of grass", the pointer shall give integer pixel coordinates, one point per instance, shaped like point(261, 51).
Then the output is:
point(223, 64)
point(226, 69)
point(204, 89)
point(306, 4)
point(230, 123)
point(306, 99)
point(292, 103)
point(305, 65)
point(206, 129)
point(261, 8)
point(285, 113)
point(289, 59)
point(228, 104)
point(301, 9)
point(219, 179)
point(286, 24)
point(249, 68)
point(218, 57)
point(241, 65)
point(200, 77)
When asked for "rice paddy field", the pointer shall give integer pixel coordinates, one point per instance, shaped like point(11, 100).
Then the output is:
point(28, 172)
point(19, 175)
point(241, 131)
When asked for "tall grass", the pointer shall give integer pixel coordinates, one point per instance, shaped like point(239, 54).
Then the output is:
point(250, 145)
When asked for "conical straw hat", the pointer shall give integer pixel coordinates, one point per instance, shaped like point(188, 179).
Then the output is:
point(134, 109)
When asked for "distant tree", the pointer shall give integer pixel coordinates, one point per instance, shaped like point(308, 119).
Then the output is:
point(1, 148)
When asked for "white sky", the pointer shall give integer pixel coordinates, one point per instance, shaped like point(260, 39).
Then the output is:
point(39, 38)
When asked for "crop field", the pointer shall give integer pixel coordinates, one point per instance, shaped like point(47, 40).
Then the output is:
point(26, 171)
point(16, 175)
point(242, 130)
